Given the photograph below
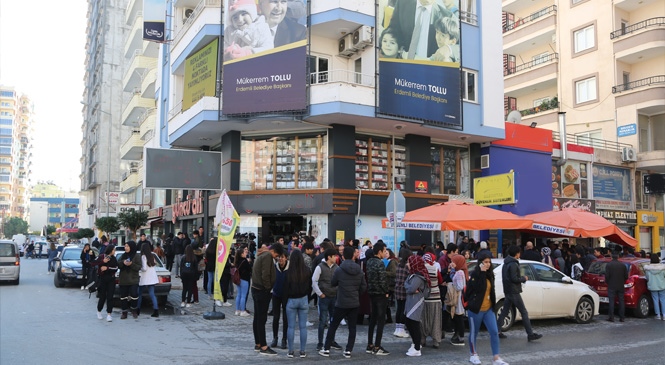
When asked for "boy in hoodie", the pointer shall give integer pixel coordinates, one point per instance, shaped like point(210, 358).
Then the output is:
point(377, 288)
point(350, 282)
point(512, 287)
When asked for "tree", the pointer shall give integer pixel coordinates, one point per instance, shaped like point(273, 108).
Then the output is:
point(133, 220)
point(108, 224)
point(15, 225)
point(50, 230)
point(85, 233)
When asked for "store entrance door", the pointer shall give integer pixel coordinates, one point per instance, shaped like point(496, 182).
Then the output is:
point(275, 226)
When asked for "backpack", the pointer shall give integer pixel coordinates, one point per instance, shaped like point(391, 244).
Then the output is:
point(235, 275)
point(188, 268)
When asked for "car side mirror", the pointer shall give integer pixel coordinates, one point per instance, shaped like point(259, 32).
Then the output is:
point(566, 280)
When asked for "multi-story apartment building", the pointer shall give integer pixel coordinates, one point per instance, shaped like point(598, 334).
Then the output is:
point(603, 64)
point(61, 212)
point(16, 130)
point(103, 108)
point(343, 124)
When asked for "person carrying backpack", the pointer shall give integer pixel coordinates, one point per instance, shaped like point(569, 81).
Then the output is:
point(189, 274)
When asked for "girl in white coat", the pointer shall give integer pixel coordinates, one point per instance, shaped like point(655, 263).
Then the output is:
point(148, 277)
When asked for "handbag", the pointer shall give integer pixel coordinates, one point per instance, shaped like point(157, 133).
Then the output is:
point(202, 265)
point(235, 275)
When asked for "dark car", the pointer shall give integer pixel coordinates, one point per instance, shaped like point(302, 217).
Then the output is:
point(68, 266)
point(636, 297)
point(162, 288)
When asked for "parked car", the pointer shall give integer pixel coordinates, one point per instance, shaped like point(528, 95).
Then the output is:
point(548, 293)
point(10, 261)
point(68, 266)
point(162, 288)
point(637, 297)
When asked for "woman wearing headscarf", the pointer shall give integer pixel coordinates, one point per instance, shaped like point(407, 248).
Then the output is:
point(129, 266)
point(400, 292)
point(416, 286)
point(481, 300)
point(460, 278)
point(547, 259)
point(430, 323)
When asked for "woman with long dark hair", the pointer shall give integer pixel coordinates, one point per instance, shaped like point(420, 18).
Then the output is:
point(189, 274)
point(108, 265)
point(243, 266)
point(297, 286)
point(400, 293)
point(129, 266)
point(87, 256)
point(148, 278)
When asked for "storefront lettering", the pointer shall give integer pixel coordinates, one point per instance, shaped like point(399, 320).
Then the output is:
point(188, 207)
point(619, 217)
point(647, 218)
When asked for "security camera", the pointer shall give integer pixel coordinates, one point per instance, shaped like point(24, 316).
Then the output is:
point(399, 126)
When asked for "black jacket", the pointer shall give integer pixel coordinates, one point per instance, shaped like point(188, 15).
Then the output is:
point(475, 289)
point(293, 289)
point(178, 246)
point(532, 255)
point(510, 275)
point(350, 282)
point(616, 275)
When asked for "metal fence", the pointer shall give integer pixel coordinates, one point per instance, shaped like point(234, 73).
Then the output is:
point(532, 17)
point(658, 79)
point(653, 22)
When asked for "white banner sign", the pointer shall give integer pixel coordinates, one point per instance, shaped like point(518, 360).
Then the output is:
point(553, 229)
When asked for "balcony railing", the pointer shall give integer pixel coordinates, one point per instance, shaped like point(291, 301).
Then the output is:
point(350, 77)
point(467, 17)
point(525, 66)
point(549, 105)
point(591, 142)
point(192, 18)
point(653, 22)
point(659, 79)
point(534, 16)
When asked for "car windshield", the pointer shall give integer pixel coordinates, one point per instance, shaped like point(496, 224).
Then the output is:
point(71, 254)
point(7, 250)
point(598, 267)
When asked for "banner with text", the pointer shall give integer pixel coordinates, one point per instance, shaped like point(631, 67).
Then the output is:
point(612, 187)
point(265, 56)
point(226, 221)
point(419, 61)
point(200, 75)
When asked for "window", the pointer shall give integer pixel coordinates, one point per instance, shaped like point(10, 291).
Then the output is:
point(592, 138)
point(584, 38)
point(546, 273)
point(509, 104)
point(6, 114)
point(585, 90)
point(469, 85)
point(7, 94)
point(318, 68)
point(537, 102)
point(508, 64)
point(5, 150)
point(445, 173)
point(467, 11)
point(358, 68)
point(5, 121)
point(540, 58)
point(626, 78)
point(5, 141)
point(5, 131)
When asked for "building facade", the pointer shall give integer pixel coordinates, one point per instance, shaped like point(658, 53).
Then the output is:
point(16, 130)
point(104, 101)
point(317, 148)
point(59, 212)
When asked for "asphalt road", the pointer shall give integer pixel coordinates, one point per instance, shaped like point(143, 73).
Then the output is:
point(43, 324)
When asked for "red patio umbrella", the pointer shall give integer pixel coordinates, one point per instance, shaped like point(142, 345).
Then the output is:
point(579, 223)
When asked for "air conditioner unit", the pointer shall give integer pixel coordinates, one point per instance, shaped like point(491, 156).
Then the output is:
point(362, 37)
point(628, 154)
point(186, 13)
point(346, 46)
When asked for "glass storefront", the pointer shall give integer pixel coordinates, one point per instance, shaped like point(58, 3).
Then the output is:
point(448, 170)
point(374, 162)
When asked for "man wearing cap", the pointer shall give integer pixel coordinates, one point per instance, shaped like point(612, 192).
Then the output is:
point(263, 279)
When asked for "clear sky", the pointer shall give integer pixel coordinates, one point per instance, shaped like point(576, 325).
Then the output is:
point(42, 51)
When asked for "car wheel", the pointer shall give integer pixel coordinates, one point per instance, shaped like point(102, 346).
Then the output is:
point(643, 307)
point(57, 282)
point(162, 300)
point(584, 311)
point(508, 321)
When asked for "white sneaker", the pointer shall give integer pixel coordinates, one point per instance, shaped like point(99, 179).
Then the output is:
point(343, 323)
point(48, 273)
point(474, 359)
point(658, 317)
point(218, 303)
point(108, 318)
point(402, 333)
point(99, 315)
point(499, 361)
point(188, 305)
point(182, 304)
point(244, 314)
point(82, 287)
point(237, 313)
point(309, 324)
point(226, 304)
point(413, 352)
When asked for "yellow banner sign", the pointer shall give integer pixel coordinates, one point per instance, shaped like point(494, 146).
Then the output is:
point(494, 190)
point(200, 75)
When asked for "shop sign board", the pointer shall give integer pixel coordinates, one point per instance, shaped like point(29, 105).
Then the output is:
point(553, 229)
point(649, 218)
point(619, 217)
point(494, 190)
point(627, 130)
point(586, 205)
point(611, 187)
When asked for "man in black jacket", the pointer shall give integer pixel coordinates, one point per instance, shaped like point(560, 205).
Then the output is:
point(616, 275)
point(512, 287)
point(530, 253)
point(377, 288)
point(178, 250)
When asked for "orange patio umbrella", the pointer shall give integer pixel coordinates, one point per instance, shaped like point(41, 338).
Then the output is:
point(579, 223)
point(458, 215)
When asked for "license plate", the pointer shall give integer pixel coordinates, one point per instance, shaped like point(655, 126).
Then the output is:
point(604, 299)
point(79, 276)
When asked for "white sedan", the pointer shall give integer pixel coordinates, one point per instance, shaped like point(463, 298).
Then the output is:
point(547, 294)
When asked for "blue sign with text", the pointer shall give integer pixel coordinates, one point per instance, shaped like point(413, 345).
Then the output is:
point(627, 130)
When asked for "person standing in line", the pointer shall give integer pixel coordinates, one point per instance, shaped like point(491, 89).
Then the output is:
point(350, 282)
point(416, 287)
point(245, 269)
point(143, 239)
point(616, 275)
point(108, 265)
point(460, 278)
point(297, 287)
point(400, 293)
point(430, 323)
point(377, 288)
point(321, 283)
point(279, 302)
point(168, 251)
point(512, 287)
point(263, 279)
point(390, 262)
point(129, 266)
point(178, 251)
point(159, 251)
point(547, 259)
point(188, 274)
point(655, 272)
point(530, 253)
point(87, 256)
point(481, 298)
point(148, 278)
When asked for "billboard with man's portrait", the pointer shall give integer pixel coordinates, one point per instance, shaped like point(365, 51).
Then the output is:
point(419, 60)
point(265, 56)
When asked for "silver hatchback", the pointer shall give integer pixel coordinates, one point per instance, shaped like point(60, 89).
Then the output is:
point(10, 262)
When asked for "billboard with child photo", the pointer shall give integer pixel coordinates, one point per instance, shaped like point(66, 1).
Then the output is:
point(419, 60)
point(265, 56)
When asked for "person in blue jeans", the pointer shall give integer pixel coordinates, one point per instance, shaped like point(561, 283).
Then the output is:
point(148, 278)
point(655, 272)
point(297, 286)
point(321, 283)
point(481, 299)
point(245, 269)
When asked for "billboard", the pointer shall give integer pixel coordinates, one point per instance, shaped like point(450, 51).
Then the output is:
point(494, 190)
point(154, 17)
point(200, 75)
point(419, 61)
point(265, 56)
point(182, 169)
point(612, 187)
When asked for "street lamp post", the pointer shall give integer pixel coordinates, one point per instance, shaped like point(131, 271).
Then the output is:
point(108, 172)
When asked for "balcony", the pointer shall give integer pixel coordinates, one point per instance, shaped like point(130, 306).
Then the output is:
point(543, 114)
point(130, 181)
point(342, 86)
point(539, 74)
point(330, 16)
point(132, 149)
point(652, 160)
point(135, 108)
point(209, 7)
point(538, 28)
point(649, 89)
point(135, 35)
point(148, 124)
point(640, 41)
point(148, 82)
point(138, 67)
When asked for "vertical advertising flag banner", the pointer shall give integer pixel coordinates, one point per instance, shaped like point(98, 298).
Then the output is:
point(226, 221)
point(419, 60)
point(154, 17)
point(200, 75)
point(265, 56)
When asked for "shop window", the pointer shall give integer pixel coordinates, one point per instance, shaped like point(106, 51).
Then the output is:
point(374, 169)
point(445, 170)
point(284, 163)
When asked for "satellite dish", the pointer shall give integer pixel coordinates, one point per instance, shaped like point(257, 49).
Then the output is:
point(514, 117)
